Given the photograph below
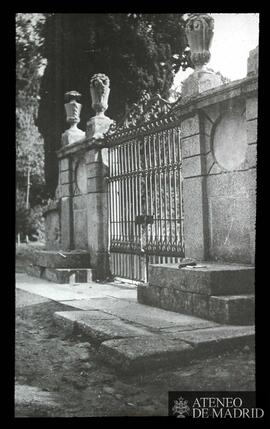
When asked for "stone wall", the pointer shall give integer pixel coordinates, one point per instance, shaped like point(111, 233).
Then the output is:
point(219, 149)
point(52, 227)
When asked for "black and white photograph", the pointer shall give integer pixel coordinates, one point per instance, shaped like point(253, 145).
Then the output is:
point(136, 196)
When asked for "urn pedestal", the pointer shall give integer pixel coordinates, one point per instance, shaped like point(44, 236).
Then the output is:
point(97, 126)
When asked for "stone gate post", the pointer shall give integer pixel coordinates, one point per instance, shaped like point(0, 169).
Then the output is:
point(83, 168)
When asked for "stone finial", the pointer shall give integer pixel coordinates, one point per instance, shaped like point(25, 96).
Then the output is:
point(98, 125)
point(73, 109)
point(100, 90)
point(199, 31)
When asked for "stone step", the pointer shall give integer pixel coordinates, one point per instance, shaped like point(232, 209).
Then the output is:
point(131, 348)
point(234, 309)
point(69, 275)
point(62, 259)
point(144, 354)
point(207, 278)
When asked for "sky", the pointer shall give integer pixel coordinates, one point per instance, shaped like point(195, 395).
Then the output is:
point(235, 34)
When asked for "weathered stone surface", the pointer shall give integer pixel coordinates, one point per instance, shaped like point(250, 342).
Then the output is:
point(63, 164)
point(97, 126)
point(209, 279)
point(72, 135)
point(65, 275)
point(200, 305)
point(96, 184)
point(200, 81)
point(144, 353)
point(193, 218)
point(251, 108)
point(148, 295)
point(216, 339)
point(252, 129)
point(34, 270)
point(62, 259)
point(64, 177)
point(229, 206)
point(190, 126)
point(192, 166)
point(176, 300)
point(52, 229)
point(66, 223)
point(253, 62)
point(234, 310)
point(229, 228)
point(80, 228)
point(190, 146)
point(99, 328)
point(251, 158)
point(65, 190)
point(230, 128)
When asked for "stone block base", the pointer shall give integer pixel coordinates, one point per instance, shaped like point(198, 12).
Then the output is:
point(62, 259)
point(66, 275)
point(234, 310)
point(218, 292)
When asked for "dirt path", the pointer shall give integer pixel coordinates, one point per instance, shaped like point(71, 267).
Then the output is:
point(60, 376)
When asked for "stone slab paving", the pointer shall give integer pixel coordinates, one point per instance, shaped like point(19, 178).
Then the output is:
point(99, 326)
point(218, 338)
point(69, 292)
point(150, 317)
point(133, 336)
point(143, 354)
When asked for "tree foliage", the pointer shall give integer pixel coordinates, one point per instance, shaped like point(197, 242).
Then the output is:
point(136, 51)
point(29, 142)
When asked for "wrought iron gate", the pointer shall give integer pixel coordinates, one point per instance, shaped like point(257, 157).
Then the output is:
point(145, 190)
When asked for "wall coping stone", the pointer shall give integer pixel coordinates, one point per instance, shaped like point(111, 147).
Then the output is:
point(81, 145)
point(239, 88)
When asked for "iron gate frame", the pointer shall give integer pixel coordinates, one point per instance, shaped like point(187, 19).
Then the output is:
point(151, 117)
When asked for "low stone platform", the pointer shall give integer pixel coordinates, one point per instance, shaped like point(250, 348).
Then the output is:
point(140, 347)
point(62, 267)
point(62, 259)
point(220, 292)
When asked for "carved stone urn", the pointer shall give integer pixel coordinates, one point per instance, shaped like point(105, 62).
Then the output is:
point(100, 90)
point(199, 31)
point(73, 110)
point(99, 124)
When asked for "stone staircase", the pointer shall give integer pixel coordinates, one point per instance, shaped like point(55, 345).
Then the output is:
point(223, 293)
point(62, 266)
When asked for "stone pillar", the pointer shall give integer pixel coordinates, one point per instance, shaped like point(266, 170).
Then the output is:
point(66, 212)
point(97, 171)
point(97, 210)
point(194, 187)
point(199, 31)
